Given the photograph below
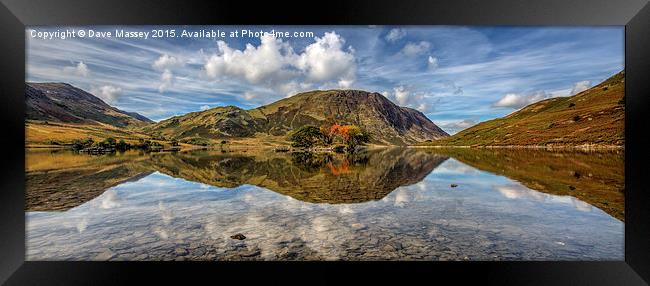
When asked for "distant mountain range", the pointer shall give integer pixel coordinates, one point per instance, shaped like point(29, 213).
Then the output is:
point(386, 122)
point(593, 117)
point(61, 102)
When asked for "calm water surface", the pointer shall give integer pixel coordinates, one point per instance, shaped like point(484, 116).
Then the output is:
point(385, 204)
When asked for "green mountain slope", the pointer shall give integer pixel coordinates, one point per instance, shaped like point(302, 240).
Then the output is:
point(592, 117)
point(219, 122)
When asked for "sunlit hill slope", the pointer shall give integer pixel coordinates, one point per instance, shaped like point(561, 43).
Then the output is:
point(592, 117)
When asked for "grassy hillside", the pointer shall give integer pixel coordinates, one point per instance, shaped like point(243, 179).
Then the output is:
point(592, 117)
point(57, 134)
point(219, 122)
point(51, 133)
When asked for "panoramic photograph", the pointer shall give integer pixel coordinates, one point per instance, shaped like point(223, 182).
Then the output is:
point(310, 143)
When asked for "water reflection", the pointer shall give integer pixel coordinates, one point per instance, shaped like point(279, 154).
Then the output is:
point(597, 178)
point(384, 204)
point(315, 178)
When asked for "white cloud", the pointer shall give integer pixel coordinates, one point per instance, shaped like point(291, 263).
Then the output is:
point(205, 107)
point(455, 89)
point(274, 63)
point(166, 80)
point(416, 49)
point(165, 63)
point(325, 60)
point(517, 101)
point(249, 95)
point(294, 87)
point(267, 62)
point(401, 96)
point(432, 62)
point(80, 69)
point(395, 34)
point(107, 93)
point(456, 126)
point(580, 86)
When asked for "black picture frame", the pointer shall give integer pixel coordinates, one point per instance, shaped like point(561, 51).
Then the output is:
point(16, 14)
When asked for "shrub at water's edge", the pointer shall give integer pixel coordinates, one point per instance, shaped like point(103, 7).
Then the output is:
point(109, 145)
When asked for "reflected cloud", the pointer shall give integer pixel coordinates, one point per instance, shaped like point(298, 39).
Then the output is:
point(109, 200)
point(82, 225)
point(453, 166)
point(166, 215)
point(521, 192)
point(345, 209)
point(401, 197)
point(161, 232)
point(416, 221)
point(581, 206)
point(326, 236)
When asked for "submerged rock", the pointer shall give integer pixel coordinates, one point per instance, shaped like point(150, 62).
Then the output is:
point(238, 236)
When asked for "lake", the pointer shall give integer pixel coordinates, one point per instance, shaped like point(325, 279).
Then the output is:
point(380, 204)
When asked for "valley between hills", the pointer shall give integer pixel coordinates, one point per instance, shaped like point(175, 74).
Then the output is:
point(57, 114)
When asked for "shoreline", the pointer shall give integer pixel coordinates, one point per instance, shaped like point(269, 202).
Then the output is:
point(560, 147)
point(374, 146)
point(182, 149)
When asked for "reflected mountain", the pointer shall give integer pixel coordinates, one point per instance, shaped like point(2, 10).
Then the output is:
point(57, 181)
point(595, 177)
point(309, 177)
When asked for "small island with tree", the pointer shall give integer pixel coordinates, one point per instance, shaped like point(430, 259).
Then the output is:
point(335, 137)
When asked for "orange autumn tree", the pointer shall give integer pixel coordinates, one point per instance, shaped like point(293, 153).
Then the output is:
point(341, 130)
point(352, 135)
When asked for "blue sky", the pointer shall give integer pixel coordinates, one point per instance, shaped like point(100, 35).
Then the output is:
point(457, 76)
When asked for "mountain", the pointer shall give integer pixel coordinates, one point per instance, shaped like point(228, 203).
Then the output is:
point(593, 117)
point(61, 102)
point(386, 122)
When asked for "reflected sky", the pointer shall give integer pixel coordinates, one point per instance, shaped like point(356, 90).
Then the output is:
point(486, 217)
